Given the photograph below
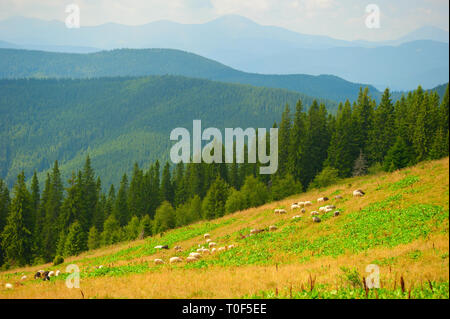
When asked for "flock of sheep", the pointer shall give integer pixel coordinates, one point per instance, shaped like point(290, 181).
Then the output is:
point(195, 255)
point(324, 209)
point(212, 246)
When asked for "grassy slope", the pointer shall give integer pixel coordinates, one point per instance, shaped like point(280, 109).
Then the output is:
point(402, 225)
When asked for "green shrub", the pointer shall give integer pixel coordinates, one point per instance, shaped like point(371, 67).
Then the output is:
point(58, 260)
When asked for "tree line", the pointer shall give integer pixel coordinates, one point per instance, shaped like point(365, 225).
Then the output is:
point(316, 149)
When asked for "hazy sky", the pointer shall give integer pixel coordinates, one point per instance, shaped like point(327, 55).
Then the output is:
point(344, 19)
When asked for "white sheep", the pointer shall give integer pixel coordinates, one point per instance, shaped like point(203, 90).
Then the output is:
point(206, 236)
point(296, 217)
point(191, 259)
point(308, 203)
point(213, 250)
point(301, 204)
point(205, 251)
point(221, 249)
point(57, 273)
point(338, 197)
point(303, 210)
point(314, 213)
point(295, 206)
point(173, 260)
point(230, 246)
point(280, 211)
point(273, 228)
point(51, 273)
point(8, 286)
point(158, 261)
point(212, 244)
point(23, 277)
point(195, 255)
point(358, 193)
point(322, 209)
point(208, 240)
point(328, 210)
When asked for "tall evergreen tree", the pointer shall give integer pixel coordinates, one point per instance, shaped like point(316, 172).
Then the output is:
point(17, 237)
point(121, 212)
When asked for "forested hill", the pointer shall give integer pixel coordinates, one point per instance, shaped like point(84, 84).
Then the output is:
point(119, 121)
point(131, 62)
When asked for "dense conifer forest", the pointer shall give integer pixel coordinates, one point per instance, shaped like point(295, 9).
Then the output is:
point(40, 222)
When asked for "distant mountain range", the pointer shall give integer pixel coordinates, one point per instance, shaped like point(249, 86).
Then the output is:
point(420, 57)
point(131, 62)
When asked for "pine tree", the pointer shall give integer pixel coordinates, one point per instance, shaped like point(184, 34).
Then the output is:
point(439, 148)
point(284, 141)
point(4, 204)
point(297, 147)
point(363, 112)
point(360, 167)
point(35, 199)
point(135, 193)
point(167, 192)
point(51, 229)
point(75, 241)
point(146, 226)
point(90, 195)
point(213, 205)
point(399, 156)
point(111, 231)
point(382, 133)
point(94, 238)
point(120, 211)
point(164, 218)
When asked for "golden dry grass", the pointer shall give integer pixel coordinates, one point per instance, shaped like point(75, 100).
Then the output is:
point(236, 281)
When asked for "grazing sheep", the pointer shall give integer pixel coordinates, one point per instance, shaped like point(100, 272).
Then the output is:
point(199, 250)
point(338, 197)
point(177, 248)
point(328, 210)
point(256, 231)
point(358, 193)
point(208, 240)
point(195, 255)
point(322, 199)
point(316, 219)
point(206, 236)
point(295, 206)
point(330, 206)
point(175, 260)
point(191, 259)
point(301, 204)
point(158, 261)
point(273, 228)
point(221, 249)
point(205, 250)
point(57, 273)
point(297, 216)
point(308, 203)
point(231, 246)
point(280, 211)
point(45, 276)
point(336, 214)
point(8, 286)
point(212, 244)
point(303, 211)
point(322, 209)
point(213, 250)
point(314, 213)
point(51, 273)
point(23, 278)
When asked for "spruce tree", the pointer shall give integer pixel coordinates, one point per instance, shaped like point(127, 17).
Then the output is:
point(16, 238)
point(94, 239)
point(167, 192)
point(121, 212)
point(75, 240)
point(164, 218)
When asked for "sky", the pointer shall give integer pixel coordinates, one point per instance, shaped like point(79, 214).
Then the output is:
point(341, 19)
